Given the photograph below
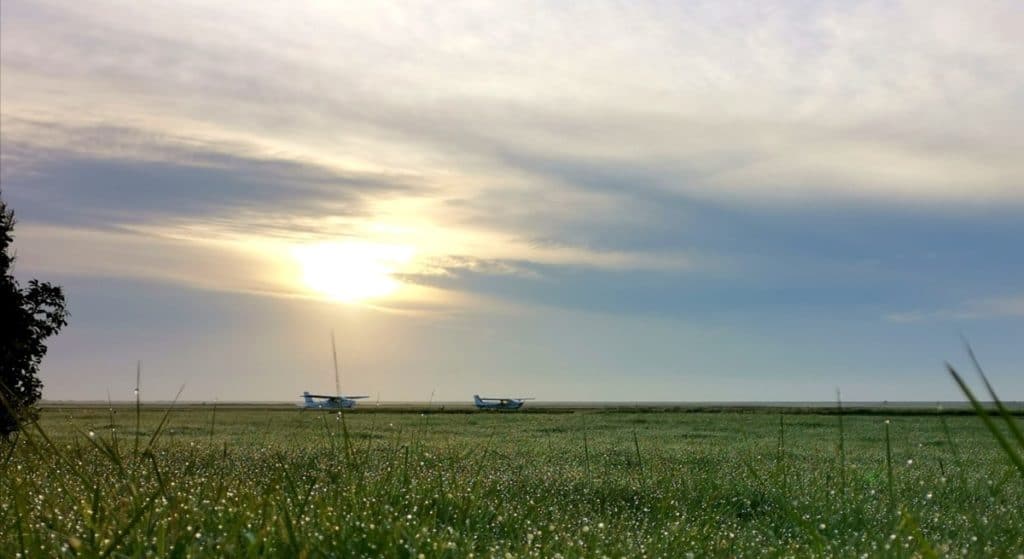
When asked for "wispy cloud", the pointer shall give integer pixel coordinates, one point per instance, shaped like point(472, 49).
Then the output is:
point(901, 101)
point(1011, 306)
point(503, 139)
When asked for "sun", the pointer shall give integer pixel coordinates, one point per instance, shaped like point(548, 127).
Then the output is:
point(351, 271)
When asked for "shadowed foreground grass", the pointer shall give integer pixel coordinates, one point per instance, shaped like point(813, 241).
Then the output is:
point(288, 483)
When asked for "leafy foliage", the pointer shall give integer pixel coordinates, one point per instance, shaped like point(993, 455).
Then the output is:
point(27, 318)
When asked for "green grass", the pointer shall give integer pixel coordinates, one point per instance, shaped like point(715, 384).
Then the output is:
point(248, 482)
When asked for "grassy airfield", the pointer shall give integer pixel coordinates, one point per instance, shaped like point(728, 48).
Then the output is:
point(243, 481)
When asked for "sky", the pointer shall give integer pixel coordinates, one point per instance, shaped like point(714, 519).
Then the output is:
point(628, 201)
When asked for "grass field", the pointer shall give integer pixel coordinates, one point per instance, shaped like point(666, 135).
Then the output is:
point(279, 482)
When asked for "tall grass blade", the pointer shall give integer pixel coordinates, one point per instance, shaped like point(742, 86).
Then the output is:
point(156, 473)
point(989, 424)
point(636, 446)
point(163, 420)
point(889, 474)
point(76, 470)
point(955, 450)
point(1003, 412)
point(138, 408)
point(127, 528)
point(18, 505)
point(341, 410)
point(113, 426)
point(586, 450)
point(842, 445)
point(780, 463)
point(213, 420)
point(328, 434)
point(337, 378)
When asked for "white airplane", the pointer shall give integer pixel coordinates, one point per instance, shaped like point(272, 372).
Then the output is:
point(499, 403)
point(324, 402)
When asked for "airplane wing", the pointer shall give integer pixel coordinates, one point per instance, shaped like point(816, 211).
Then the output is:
point(504, 399)
point(321, 396)
point(355, 397)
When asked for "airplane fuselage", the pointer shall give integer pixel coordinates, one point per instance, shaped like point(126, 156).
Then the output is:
point(313, 402)
point(497, 403)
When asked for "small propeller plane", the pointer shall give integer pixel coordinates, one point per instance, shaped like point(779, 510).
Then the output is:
point(499, 403)
point(324, 402)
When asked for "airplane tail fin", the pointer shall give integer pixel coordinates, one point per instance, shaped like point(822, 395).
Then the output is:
point(476, 399)
point(307, 398)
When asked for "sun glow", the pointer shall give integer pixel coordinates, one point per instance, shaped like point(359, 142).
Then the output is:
point(351, 271)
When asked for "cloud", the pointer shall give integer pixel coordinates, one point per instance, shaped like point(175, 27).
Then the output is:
point(663, 145)
point(95, 175)
point(903, 101)
point(1011, 306)
point(218, 265)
